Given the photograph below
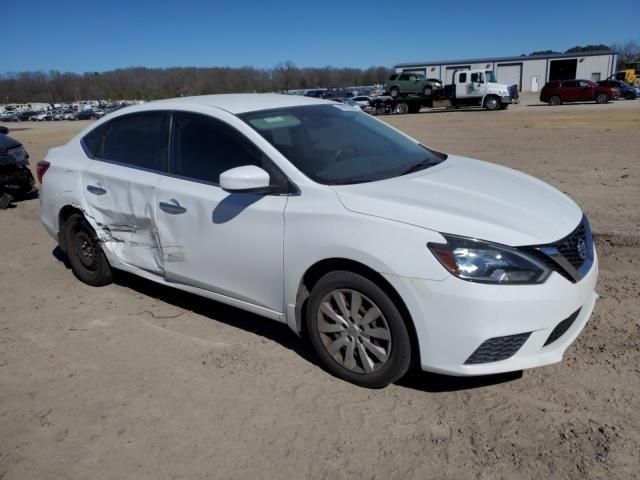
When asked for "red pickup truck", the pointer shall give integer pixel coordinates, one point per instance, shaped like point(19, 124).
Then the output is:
point(561, 91)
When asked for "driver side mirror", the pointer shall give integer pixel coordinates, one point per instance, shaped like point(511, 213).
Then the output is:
point(246, 179)
point(4, 130)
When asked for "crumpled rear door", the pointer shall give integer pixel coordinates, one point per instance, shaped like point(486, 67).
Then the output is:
point(122, 203)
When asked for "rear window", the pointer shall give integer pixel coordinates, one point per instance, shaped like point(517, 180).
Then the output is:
point(137, 140)
point(393, 77)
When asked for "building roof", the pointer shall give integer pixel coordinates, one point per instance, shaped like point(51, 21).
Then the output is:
point(510, 59)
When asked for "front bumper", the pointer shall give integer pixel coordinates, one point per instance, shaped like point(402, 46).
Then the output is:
point(453, 318)
point(508, 100)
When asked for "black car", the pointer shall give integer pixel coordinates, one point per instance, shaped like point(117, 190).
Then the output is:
point(627, 91)
point(16, 180)
point(85, 115)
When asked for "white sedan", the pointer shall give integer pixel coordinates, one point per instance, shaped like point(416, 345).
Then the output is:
point(384, 252)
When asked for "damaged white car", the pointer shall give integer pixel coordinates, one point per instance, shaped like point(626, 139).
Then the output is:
point(384, 252)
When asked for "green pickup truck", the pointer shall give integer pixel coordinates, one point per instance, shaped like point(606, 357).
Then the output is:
point(411, 82)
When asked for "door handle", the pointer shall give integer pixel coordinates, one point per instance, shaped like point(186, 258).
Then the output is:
point(172, 208)
point(96, 190)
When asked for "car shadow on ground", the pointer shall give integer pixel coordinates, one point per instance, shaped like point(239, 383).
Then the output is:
point(282, 334)
point(429, 382)
point(566, 104)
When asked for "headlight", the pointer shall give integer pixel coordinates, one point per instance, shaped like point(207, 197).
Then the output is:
point(484, 262)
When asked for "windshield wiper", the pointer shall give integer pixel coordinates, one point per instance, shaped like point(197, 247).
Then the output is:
point(421, 165)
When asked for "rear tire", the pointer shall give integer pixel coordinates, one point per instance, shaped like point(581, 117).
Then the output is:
point(602, 98)
point(401, 108)
point(88, 261)
point(371, 353)
point(555, 100)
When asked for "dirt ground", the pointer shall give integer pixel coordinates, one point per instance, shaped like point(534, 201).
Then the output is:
point(137, 381)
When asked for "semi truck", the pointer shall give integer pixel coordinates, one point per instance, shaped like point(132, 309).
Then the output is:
point(470, 88)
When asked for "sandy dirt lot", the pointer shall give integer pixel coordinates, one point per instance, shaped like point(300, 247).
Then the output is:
point(137, 381)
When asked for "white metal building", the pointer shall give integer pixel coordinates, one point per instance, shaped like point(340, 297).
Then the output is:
point(530, 73)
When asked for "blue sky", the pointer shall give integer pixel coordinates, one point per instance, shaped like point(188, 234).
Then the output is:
point(85, 35)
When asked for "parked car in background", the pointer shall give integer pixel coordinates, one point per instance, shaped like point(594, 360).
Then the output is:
point(84, 115)
point(411, 82)
point(10, 117)
point(68, 115)
point(384, 252)
point(98, 113)
point(41, 116)
point(362, 100)
point(565, 91)
point(25, 115)
point(628, 92)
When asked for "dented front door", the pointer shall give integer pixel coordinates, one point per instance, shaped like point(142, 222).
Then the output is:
point(122, 203)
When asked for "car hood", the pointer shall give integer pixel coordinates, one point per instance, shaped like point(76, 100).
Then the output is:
point(472, 198)
point(6, 143)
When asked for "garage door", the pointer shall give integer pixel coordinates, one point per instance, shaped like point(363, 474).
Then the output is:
point(509, 74)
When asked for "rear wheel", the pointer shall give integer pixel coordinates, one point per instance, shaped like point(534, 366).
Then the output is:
point(555, 100)
point(357, 331)
point(602, 98)
point(402, 108)
point(88, 261)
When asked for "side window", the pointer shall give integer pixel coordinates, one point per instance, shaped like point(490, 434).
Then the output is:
point(203, 148)
point(393, 77)
point(403, 77)
point(570, 84)
point(137, 140)
point(584, 84)
point(462, 78)
point(92, 141)
point(476, 77)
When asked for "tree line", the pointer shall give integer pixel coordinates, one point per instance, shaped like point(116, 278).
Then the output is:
point(153, 83)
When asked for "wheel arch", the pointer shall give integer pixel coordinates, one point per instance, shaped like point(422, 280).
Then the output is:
point(63, 215)
point(316, 271)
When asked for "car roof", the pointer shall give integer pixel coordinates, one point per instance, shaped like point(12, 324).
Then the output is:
point(237, 103)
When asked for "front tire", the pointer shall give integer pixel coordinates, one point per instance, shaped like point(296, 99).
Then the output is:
point(492, 103)
point(88, 262)
point(602, 98)
point(357, 331)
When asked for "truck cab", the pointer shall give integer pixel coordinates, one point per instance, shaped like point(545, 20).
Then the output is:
point(479, 88)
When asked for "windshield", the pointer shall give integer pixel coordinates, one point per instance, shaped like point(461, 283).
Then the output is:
point(491, 77)
point(337, 145)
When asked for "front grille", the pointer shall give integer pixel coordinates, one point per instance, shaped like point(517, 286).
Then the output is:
point(562, 328)
point(567, 255)
point(568, 246)
point(497, 348)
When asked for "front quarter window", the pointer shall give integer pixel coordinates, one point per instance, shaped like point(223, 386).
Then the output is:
point(336, 145)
